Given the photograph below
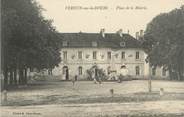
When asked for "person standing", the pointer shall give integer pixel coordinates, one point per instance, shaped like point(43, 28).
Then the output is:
point(94, 76)
point(67, 74)
point(76, 77)
point(74, 80)
point(123, 73)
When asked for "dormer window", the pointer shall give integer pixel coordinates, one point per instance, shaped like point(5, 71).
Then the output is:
point(65, 43)
point(94, 44)
point(122, 44)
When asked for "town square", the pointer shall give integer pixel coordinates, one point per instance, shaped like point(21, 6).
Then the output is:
point(75, 58)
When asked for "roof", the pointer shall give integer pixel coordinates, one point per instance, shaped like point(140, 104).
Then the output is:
point(111, 40)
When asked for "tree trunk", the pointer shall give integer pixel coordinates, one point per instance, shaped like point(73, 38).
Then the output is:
point(25, 76)
point(15, 76)
point(180, 66)
point(5, 78)
point(180, 73)
point(178, 76)
point(20, 76)
point(149, 85)
point(170, 73)
point(11, 76)
point(50, 71)
point(181, 70)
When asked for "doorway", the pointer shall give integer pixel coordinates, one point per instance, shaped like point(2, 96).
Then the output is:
point(66, 72)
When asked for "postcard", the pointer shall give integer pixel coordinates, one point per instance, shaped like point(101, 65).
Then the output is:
point(92, 58)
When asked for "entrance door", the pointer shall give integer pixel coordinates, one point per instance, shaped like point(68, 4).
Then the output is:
point(66, 72)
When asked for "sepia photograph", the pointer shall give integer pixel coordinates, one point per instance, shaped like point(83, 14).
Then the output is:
point(92, 58)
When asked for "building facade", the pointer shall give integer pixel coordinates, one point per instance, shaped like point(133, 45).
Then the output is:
point(108, 51)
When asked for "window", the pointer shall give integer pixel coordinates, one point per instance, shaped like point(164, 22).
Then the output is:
point(94, 54)
point(80, 70)
point(65, 68)
point(108, 55)
point(123, 55)
point(137, 55)
point(137, 70)
point(94, 44)
point(122, 44)
point(65, 55)
point(164, 71)
point(80, 54)
point(154, 71)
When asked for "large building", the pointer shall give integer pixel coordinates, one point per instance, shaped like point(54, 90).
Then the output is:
point(109, 51)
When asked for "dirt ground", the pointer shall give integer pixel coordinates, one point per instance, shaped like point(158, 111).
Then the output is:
point(130, 99)
point(132, 109)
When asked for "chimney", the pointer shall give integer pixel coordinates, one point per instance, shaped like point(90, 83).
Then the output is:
point(141, 33)
point(102, 32)
point(137, 35)
point(120, 32)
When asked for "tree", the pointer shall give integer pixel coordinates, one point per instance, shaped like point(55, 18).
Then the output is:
point(97, 73)
point(28, 40)
point(164, 42)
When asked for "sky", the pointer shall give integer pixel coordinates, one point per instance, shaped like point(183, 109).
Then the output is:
point(115, 14)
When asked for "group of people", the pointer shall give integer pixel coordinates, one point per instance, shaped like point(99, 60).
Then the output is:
point(122, 74)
